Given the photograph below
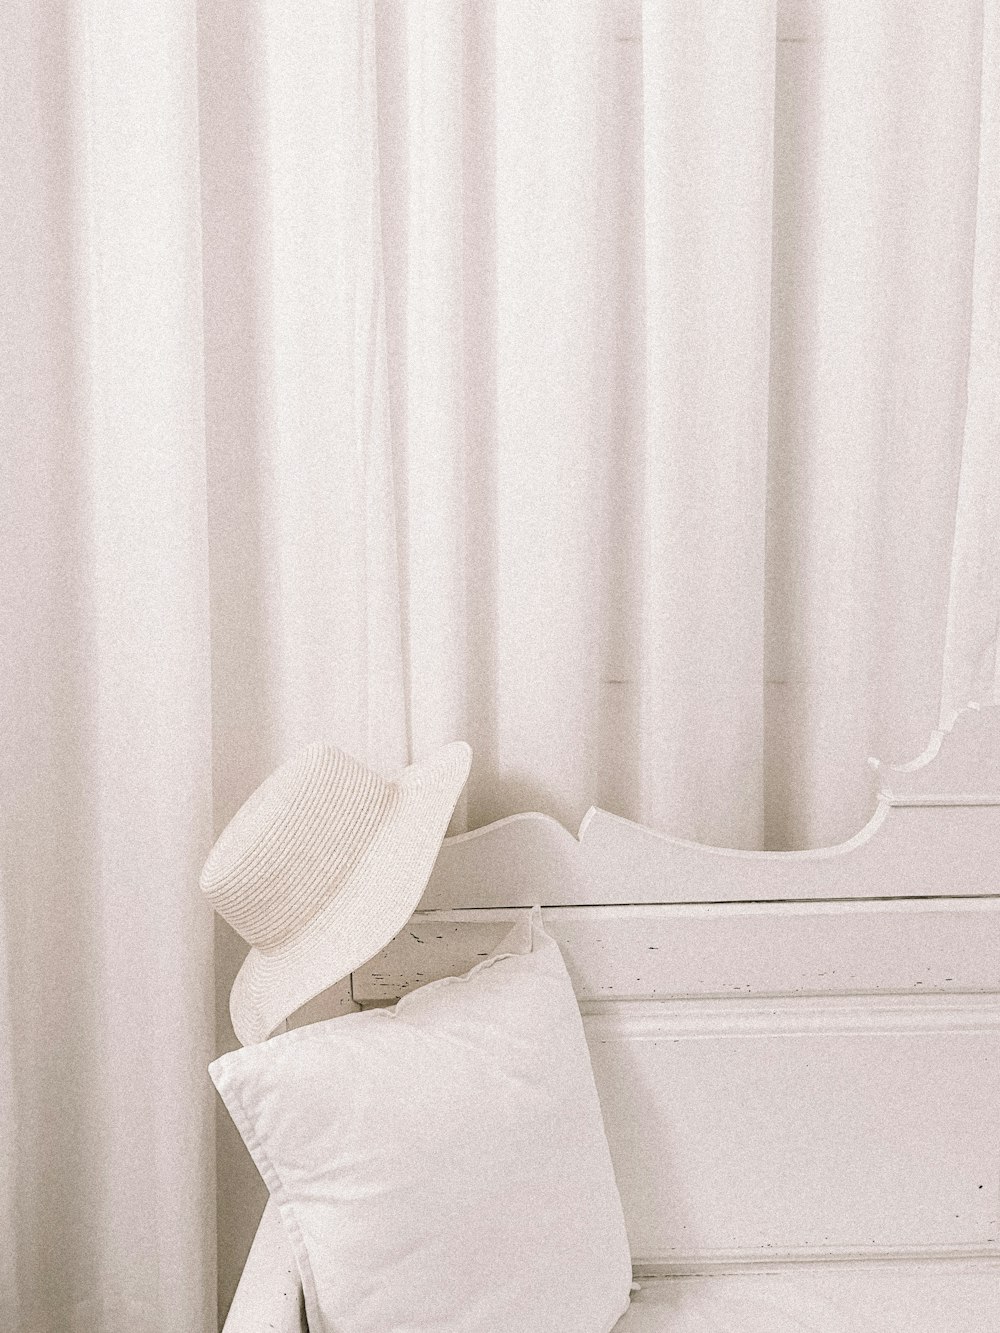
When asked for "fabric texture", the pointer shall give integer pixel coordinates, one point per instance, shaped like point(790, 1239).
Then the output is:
point(611, 384)
point(319, 869)
point(442, 1165)
point(107, 991)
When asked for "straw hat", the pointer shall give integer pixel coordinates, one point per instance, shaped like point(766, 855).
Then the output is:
point(321, 866)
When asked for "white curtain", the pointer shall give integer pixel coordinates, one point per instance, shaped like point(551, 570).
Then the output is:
point(107, 1217)
point(611, 385)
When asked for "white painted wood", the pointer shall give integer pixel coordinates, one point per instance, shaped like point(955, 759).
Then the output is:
point(795, 1080)
point(798, 1054)
point(901, 852)
point(959, 765)
point(802, 1129)
point(935, 832)
point(823, 1298)
point(879, 947)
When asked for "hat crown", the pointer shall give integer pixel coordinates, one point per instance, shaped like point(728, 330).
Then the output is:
point(294, 842)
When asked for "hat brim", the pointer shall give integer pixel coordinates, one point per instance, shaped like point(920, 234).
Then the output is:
point(369, 909)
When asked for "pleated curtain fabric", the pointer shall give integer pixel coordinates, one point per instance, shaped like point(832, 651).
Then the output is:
point(107, 1167)
point(971, 659)
point(611, 385)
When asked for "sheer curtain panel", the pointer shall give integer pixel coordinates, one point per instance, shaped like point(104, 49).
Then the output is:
point(107, 1215)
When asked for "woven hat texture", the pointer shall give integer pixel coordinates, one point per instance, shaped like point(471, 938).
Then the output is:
point(320, 867)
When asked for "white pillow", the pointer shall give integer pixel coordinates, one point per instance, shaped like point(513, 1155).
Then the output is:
point(442, 1165)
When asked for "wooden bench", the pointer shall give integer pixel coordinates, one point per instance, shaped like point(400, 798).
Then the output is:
point(798, 1054)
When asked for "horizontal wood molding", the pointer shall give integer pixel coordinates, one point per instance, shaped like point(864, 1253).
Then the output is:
point(839, 1296)
point(754, 1261)
point(701, 950)
point(861, 1015)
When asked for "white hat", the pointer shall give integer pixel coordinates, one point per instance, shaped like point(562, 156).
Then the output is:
point(320, 867)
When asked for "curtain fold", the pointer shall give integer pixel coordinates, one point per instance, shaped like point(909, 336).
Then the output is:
point(304, 572)
point(107, 990)
point(971, 661)
point(421, 143)
point(708, 132)
point(875, 189)
point(330, 587)
point(611, 384)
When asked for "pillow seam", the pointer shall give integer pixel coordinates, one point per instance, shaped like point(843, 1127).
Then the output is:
point(276, 1187)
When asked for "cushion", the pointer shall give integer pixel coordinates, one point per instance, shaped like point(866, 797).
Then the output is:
point(442, 1164)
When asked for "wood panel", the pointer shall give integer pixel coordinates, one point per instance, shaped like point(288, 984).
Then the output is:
point(721, 950)
point(821, 1129)
point(934, 832)
point(904, 851)
point(791, 1081)
point(823, 1298)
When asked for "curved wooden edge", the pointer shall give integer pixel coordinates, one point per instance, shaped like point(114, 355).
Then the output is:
point(543, 831)
point(598, 824)
point(960, 765)
point(904, 849)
